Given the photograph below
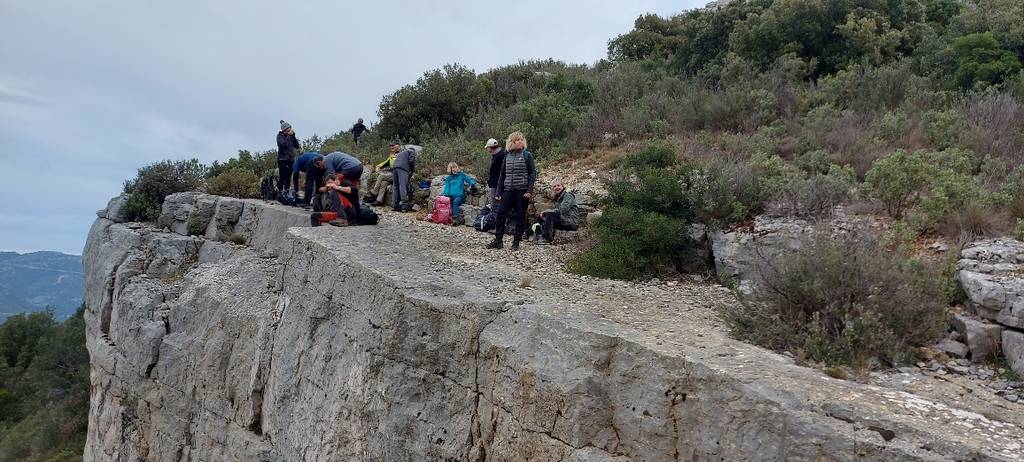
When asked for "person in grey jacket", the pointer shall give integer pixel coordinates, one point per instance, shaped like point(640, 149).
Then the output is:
point(401, 169)
point(514, 190)
point(344, 164)
point(564, 216)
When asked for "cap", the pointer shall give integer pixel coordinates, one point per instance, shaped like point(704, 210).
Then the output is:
point(394, 143)
point(491, 143)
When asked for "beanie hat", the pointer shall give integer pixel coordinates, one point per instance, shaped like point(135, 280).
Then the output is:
point(285, 125)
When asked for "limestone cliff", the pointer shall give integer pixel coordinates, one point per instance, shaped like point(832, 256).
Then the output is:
point(363, 343)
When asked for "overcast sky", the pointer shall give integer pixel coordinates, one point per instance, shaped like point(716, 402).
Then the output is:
point(92, 90)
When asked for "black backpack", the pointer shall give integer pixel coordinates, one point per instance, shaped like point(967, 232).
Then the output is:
point(287, 198)
point(484, 220)
point(367, 216)
point(268, 190)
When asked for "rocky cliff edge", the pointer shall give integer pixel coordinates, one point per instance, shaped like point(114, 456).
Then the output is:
point(360, 343)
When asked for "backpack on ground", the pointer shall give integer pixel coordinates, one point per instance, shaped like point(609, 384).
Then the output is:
point(442, 210)
point(268, 191)
point(367, 215)
point(484, 220)
point(287, 198)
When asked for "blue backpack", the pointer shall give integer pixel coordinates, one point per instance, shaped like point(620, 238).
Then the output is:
point(287, 198)
point(484, 220)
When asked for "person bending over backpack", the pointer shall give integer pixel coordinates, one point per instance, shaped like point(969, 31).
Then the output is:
point(454, 187)
point(401, 170)
point(515, 188)
point(564, 216)
point(312, 163)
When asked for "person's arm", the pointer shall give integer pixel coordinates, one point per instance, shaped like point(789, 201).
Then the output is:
point(501, 182)
point(295, 142)
point(531, 172)
point(567, 202)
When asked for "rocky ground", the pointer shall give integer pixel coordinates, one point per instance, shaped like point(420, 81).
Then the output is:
point(991, 390)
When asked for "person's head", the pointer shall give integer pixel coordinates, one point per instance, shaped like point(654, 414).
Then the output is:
point(332, 177)
point(319, 162)
point(556, 190)
point(359, 121)
point(492, 146)
point(394, 146)
point(453, 168)
point(516, 141)
point(286, 128)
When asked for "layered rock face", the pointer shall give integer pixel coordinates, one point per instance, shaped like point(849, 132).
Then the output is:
point(328, 344)
point(991, 273)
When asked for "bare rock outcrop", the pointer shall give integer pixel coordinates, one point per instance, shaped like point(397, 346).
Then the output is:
point(365, 344)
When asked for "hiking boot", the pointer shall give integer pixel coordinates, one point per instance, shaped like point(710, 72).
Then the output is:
point(536, 238)
point(377, 203)
point(543, 241)
point(495, 244)
point(338, 222)
point(515, 245)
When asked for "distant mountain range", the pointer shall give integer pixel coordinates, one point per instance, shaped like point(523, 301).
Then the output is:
point(40, 280)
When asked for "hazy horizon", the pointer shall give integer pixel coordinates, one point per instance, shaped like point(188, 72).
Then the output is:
point(103, 88)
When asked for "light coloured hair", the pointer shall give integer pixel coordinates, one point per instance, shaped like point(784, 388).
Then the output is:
point(452, 165)
point(510, 142)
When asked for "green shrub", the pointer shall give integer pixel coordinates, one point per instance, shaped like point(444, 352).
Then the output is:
point(236, 182)
point(842, 302)
point(897, 181)
point(634, 244)
point(944, 128)
point(814, 195)
point(657, 156)
point(194, 225)
point(138, 207)
point(812, 162)
point(982, 61)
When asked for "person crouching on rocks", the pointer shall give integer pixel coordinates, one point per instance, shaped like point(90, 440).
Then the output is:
point(342, 199)
point(564, 216)
point(515, 188)
point(454, 187)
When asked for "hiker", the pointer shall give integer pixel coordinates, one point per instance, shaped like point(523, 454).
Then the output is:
point(514, 189)
point(565, 215)
point(287, 146)
point(341, 197)
point(454, 187)
point(357, 130)
point(385, 179)
point(401, 169)
point(344, 164)
point(497, 160)
point(312, 164)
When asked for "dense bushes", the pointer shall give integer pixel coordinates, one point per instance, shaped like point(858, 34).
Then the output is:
point(154, 182)
point(236, 182)
point(844, 301)
point(44, 388)
point(643, 230)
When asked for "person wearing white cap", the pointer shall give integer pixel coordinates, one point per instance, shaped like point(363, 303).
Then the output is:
point(497, 152)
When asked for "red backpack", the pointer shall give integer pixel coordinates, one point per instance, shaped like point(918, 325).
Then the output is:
point(442, 210)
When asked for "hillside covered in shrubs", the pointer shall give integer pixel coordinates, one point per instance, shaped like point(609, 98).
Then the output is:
point(909, 110)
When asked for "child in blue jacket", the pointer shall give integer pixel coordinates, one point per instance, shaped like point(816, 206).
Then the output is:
point(454, 186)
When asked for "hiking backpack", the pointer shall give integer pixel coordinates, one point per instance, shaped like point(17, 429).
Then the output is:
point(442, 210)
point(268, 191)
point(484, 220)
point(287, 198)
point(367, 216)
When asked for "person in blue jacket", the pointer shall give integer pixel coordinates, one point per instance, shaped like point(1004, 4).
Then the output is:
point(454, 187)
point(312, 163)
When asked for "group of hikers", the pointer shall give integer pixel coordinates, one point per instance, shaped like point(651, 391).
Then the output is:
point(332, 184)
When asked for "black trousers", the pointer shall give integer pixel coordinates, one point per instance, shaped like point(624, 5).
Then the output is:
point(350, 214)
point(284, 172)
point(314, 180)
point(551, 222)
point(512, 203)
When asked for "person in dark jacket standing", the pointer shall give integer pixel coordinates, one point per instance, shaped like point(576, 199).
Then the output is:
point(497, 161)
point(515, 188)
point(402, 168)
point(287, 146)
point(357, 130)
